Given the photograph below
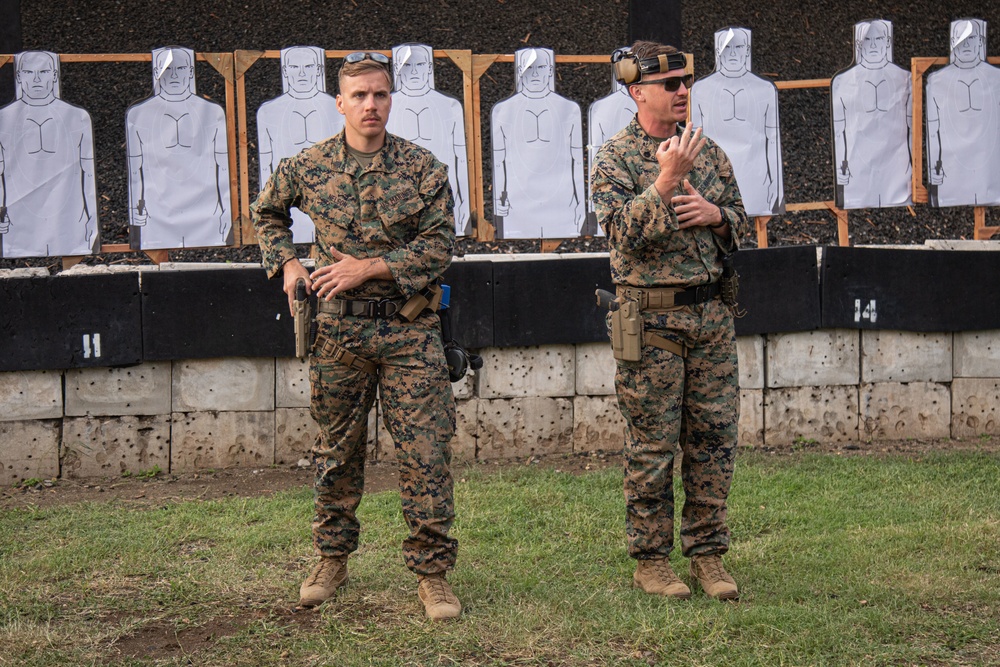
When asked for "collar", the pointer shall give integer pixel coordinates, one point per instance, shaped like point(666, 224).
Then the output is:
point(647, 144)
point(385, 160)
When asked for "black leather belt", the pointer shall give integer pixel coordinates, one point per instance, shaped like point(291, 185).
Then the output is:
point(699, 294)
point(362, 307)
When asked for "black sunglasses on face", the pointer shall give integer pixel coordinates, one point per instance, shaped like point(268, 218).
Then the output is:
point(671, 84)
point(358, 56)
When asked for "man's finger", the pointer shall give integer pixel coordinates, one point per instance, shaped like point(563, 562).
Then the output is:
point(699, 145)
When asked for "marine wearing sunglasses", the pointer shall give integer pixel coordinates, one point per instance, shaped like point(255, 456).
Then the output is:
point(671, 84)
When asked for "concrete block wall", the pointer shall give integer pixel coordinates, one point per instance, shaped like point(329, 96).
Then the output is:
point(831, 386)
point(844, 386)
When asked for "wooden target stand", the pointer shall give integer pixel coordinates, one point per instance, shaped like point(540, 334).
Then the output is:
point(918, 68)
point(760, 222)
point(244, 60)
point(482, 62)
point(223, 64)
point(233, 67)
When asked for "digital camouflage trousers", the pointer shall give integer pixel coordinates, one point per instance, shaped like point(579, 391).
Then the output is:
point(691, 404)
point(418, 409)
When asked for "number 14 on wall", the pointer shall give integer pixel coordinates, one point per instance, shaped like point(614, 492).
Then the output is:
point(865, 311)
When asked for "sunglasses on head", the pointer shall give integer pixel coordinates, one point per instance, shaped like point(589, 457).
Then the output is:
point(671, 84)
point(358, 56)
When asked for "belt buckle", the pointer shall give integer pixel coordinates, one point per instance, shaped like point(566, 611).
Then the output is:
point(385, 308)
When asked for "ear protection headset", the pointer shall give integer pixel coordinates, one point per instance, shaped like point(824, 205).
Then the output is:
point(629, 69)
point(460, 361)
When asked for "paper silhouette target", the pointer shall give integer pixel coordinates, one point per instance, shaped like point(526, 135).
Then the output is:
point(48, 200)
point(739, 111)
point(872, 111)
point(178, 161)
point(963, 123)
point(431, 119)
point(605, 118)
point(302, 115)
point(538, 189)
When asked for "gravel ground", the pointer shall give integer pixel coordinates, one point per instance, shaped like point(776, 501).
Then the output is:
point(792, 40)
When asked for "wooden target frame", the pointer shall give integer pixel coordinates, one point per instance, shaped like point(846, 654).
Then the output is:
point(221, 63)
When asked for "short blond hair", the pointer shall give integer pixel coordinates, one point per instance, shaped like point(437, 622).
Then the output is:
point(361, 67)
point(644, 49)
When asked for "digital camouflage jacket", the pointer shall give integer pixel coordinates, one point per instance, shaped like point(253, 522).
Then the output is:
point(398, 208)
point(647, 249)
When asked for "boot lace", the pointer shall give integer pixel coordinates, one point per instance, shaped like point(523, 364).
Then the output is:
point(661, 568)
point(325, 571)
point(438, 590)
point(712, 568)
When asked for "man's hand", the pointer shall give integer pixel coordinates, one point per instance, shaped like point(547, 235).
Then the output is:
point(292, 271)
point(693, 210)
point(4, 220)
point(347, 273)
point(676, 156)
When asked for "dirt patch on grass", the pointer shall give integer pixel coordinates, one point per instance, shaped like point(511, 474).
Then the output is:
point(382, 475)
point(163, 640)
point(247, 482)
point(912, 448)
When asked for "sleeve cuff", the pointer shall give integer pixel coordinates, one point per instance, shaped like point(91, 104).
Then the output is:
point(281, 257)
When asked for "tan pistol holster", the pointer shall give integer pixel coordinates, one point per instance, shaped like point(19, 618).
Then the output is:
point(628, 337)
point(626, 331)
point(429, 297)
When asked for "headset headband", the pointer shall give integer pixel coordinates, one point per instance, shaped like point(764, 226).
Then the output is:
point(629, 69)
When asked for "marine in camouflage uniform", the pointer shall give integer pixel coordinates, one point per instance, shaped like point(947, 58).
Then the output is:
point(393, 214)
point(673, 241)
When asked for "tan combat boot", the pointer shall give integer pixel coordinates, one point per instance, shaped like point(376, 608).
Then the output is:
point(324, 580)
point(655, 576)
point(714, 579)
point(439, 601)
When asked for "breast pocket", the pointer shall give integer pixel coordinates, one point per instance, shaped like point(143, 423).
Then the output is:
point(400, 214)
point(713, 179)
point(333, 212)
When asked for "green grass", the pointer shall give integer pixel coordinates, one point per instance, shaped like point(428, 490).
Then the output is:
point(840, 560)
